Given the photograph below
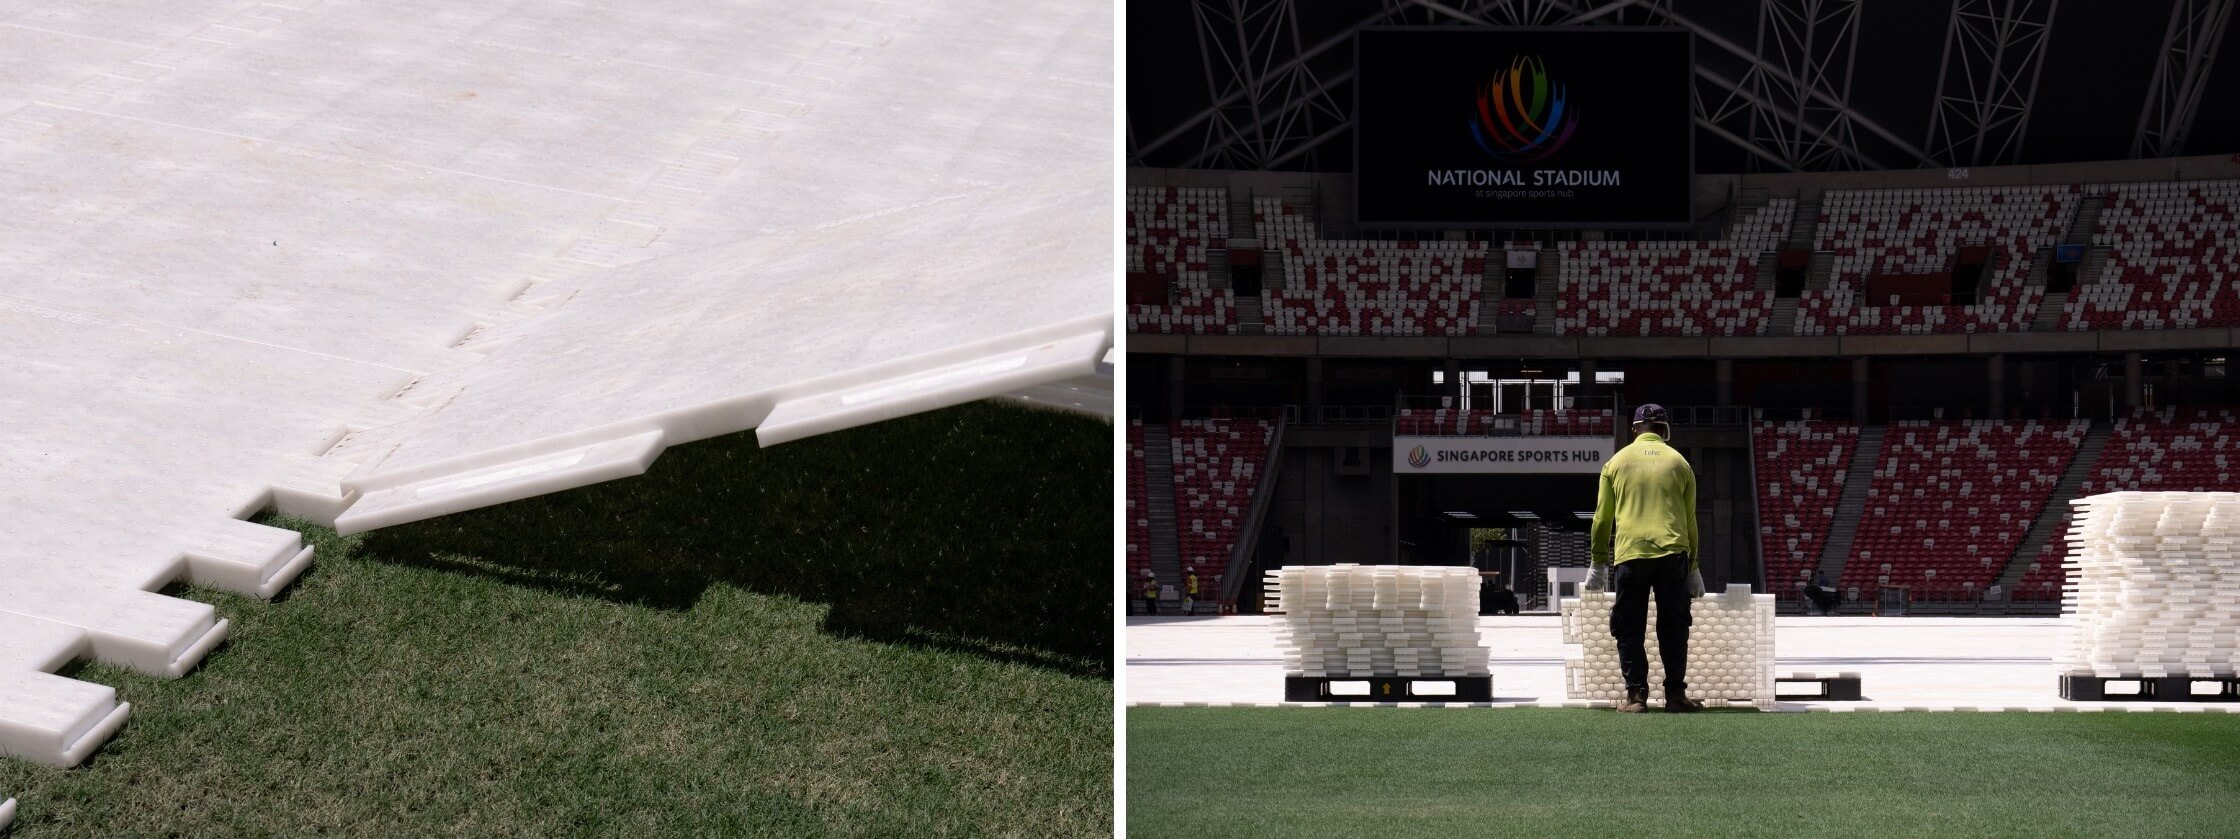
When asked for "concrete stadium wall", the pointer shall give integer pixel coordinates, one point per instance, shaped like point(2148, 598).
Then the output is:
point(1715, 193)
point(1325, 517)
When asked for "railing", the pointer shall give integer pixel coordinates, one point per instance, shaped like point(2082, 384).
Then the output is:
point(1786, 414)
point(1708, 416)
point(1271, 413)
point(1248, 535)
point(1929, 412)
point(1686, 416)
point(1340, 414)
point(1568, 402)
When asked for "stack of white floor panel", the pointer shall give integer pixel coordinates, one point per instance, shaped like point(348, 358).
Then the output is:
point(367, 264)
point(1378, 620)
point(1730, 649)
point(2154, 585)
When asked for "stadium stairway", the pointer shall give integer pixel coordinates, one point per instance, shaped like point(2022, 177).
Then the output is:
point(2082, 225)
point(1489, 306)
point(2048, 318)
point(1244, 229)
point(1851, 507)
point(2057, 506)
point(1783, 322)
point(1823, 267)
point(1249, 319)
point(1544, 288)
point(1158, 478)
point(2095, 261)
point(1804, 226)
point(2087, 219)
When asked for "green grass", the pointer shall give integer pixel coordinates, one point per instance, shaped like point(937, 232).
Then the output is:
point(899, 630)
point(1393, 772)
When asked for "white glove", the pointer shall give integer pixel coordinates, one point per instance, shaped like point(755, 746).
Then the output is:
point(1695, 582)
point(1598, 578)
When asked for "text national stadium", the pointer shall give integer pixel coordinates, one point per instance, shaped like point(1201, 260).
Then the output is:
point(1678, 418)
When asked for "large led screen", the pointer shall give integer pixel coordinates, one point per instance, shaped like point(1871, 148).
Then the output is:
point(1575, 127)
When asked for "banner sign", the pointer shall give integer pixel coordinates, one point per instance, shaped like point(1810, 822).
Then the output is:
point(1500, 455)
point(1516, 128)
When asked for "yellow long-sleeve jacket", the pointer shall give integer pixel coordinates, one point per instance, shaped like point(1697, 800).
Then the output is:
point(1646, 505)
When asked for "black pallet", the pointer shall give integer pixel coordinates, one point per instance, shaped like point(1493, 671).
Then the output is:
point(1843, 688)
point(1386, 689)
point(2088, 688)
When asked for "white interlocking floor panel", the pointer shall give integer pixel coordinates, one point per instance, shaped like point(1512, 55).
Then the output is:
point(372, 262)
point(625, 367)
point(2154, 585)
point(1730, 649)
point(1904, 663)
point(1377, 620)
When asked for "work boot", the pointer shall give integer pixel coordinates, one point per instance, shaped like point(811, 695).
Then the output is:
point(1676, 702)
point(1636, 701)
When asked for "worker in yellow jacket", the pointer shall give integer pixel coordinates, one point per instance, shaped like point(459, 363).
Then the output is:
point(1644, 544)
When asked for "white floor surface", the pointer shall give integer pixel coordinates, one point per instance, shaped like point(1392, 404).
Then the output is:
point(1987, 664)
point(371, 262)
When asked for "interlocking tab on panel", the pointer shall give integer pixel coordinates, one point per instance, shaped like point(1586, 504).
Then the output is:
point(791, 335)
point(1730, 649)
point(43, 717)
point(1089, 395)
point(509, 481)
point(2153, 579)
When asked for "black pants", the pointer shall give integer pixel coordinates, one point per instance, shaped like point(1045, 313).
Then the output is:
point(1667, 578)
point(1823, 598)
point(1151, 605)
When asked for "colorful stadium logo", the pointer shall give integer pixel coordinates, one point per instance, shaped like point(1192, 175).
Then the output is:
point(1519, 116)
point(1419, 458)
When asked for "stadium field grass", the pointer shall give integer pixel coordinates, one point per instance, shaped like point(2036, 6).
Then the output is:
point(1446, 772)
point(902, 630)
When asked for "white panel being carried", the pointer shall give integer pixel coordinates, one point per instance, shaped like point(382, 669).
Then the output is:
point(1378, 620)
point(378, 261)
point(2154, 585)
point(1730, 649)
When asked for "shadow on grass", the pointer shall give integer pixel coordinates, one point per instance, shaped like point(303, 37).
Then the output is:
point(985, 529)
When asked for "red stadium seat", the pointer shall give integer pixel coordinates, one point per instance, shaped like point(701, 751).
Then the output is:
point(2167, 450)
point(1367, 287)
point(1139, 525)
point(1217, 465)
point(1951, 501)
point(1800, 468)
point(1915, 231)
point(1170, 230)
point(2173, 249)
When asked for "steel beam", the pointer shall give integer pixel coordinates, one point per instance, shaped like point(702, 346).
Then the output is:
point(1807, 45)
point(1811, 118)
point(2181, 72)
point(1998, 48)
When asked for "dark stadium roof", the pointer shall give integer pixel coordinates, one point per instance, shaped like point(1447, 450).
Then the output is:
point(2066, 82)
